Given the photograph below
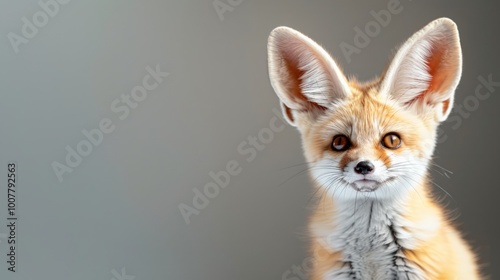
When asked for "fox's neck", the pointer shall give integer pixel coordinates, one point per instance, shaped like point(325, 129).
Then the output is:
point(380, 221)
point(414, 211)
point(372, 233)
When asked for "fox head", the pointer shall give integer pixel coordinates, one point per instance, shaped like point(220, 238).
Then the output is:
point(375, 138)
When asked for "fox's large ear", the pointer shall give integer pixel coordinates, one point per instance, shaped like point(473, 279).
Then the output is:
point(426, 70)
point(303, 75)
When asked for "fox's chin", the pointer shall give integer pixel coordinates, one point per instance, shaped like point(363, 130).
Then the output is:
point(366, 185)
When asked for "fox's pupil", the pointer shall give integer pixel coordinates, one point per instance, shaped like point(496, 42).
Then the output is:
point(340, 143)
point(391, 141)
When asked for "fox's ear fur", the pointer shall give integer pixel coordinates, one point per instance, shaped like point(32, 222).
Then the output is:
point(303, 75)
point(426, 70)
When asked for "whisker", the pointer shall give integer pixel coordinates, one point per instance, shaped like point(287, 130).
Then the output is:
point(447, 193)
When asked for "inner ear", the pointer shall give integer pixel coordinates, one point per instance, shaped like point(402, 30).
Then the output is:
point(297, 79)
point(440, 67)
point(294, 77)
point(288, 113)
point(434, 65)
point(437, 76)
point(446, 106)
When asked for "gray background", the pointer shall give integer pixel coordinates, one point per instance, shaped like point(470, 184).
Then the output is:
point(119, 207)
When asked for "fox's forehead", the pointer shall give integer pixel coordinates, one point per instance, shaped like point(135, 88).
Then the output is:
point(365, 115)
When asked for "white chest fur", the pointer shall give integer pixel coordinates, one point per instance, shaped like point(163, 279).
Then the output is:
point(371, 237)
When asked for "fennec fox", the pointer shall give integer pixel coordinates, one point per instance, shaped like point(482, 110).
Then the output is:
point(368, 147)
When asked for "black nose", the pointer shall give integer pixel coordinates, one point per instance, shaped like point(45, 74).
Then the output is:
point(364, 167)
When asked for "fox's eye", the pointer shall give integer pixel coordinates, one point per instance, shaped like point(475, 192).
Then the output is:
point(391, 141)
point(340, 143)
